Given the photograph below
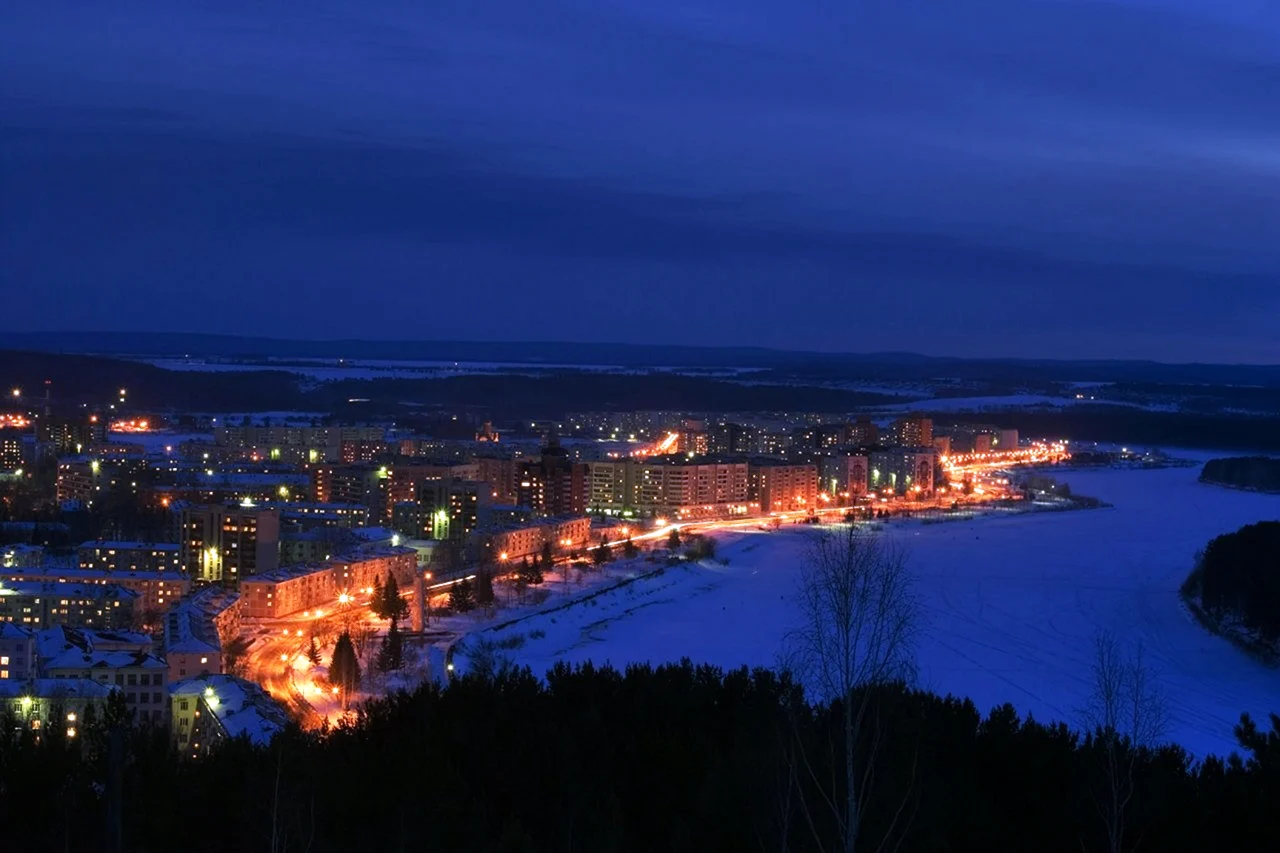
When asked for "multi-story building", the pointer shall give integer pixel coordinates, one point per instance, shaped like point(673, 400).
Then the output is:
point(21, 556)
point(779, 486)
point(903, 469)
point(611, 487)
point(156, 590)
point(863, 432)
point(309, 516)
point(775, 442)
point(362, 450)
point(362, 483)
point(296, 588)
point(820, 436)
point(313, 546)
point(507, 544)
point(406, 478)
point(18, 659)
point(121, 556)
point(211, 709)
point(85, 480)
point(68, 434)
point(692, 438)
point(553, 484)
point(142, 677)
point(845, 477)
point(912, 432)
point(316, 444)
point(662, 485)
point(669, 484)
point(452, 508)
point(40, 605)
point(732, 439)
point(197, 631)
point(500, 473)
point(225, 543)
point(34, 702)
point(12, 455)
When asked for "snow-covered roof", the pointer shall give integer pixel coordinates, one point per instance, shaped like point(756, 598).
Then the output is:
point(121, 545)
point(241, 707)
point(76, 658)
point(55, 589)
point(10, 631)
point(53, 688)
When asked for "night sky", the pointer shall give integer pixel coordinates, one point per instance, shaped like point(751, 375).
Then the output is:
point(971, 177)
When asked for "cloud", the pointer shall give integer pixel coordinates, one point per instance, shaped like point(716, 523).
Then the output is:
point(973, 157)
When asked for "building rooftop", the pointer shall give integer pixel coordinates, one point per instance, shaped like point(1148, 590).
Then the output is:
point(241, 707)
point(57, 589)
point(56, 688)
point(94, 576)
point(10, 631)
point(75, 658)
point(121, 545)
point(368, 552)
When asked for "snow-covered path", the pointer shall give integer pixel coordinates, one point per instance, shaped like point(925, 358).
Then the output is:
point(1011, 604)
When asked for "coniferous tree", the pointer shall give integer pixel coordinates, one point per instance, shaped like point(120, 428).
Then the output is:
point(484, 588)
point(462, 597)
point(673, 539)
point(344, 667)
point(378, 600)
point(600, 555)
point(629, 548)
point(313, 651)
point(547, 556)
point(391, 651)
point(393, 604)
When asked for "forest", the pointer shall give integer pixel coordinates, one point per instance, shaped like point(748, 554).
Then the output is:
point(673, 758)
point(1261, 473)
point(1236, 579)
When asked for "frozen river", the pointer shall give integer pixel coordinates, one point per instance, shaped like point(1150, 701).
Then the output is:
point(1012, 605)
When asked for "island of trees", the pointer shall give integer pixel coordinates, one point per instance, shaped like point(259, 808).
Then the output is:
point(1235, 585)
point(1261, 473)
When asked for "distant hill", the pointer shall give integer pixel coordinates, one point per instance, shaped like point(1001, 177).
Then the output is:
point(814, 365)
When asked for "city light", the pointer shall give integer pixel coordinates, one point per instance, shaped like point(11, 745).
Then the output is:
point(343, 598)
point(135, 425)
point(17, 392)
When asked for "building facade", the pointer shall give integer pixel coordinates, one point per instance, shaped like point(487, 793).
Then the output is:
point(298, 588)
point(225, 543)
point(41, 605)
point(121, 556)
point(783, 486)
point(903, 470)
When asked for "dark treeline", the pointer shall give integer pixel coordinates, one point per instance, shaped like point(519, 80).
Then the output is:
point(1237, 579)
point(1243, 472)
point(677, 758)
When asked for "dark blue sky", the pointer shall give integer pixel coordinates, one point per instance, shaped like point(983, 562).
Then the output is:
point(942, 176)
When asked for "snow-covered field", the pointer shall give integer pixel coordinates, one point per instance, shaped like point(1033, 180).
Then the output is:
point(1012, 605)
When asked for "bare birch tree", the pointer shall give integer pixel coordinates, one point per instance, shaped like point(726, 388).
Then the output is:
point(1127, 713)
point(858, 619)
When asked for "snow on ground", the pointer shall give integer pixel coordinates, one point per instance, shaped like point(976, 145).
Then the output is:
point(1017, 401)
point(157, 442)
point(1011, 605)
